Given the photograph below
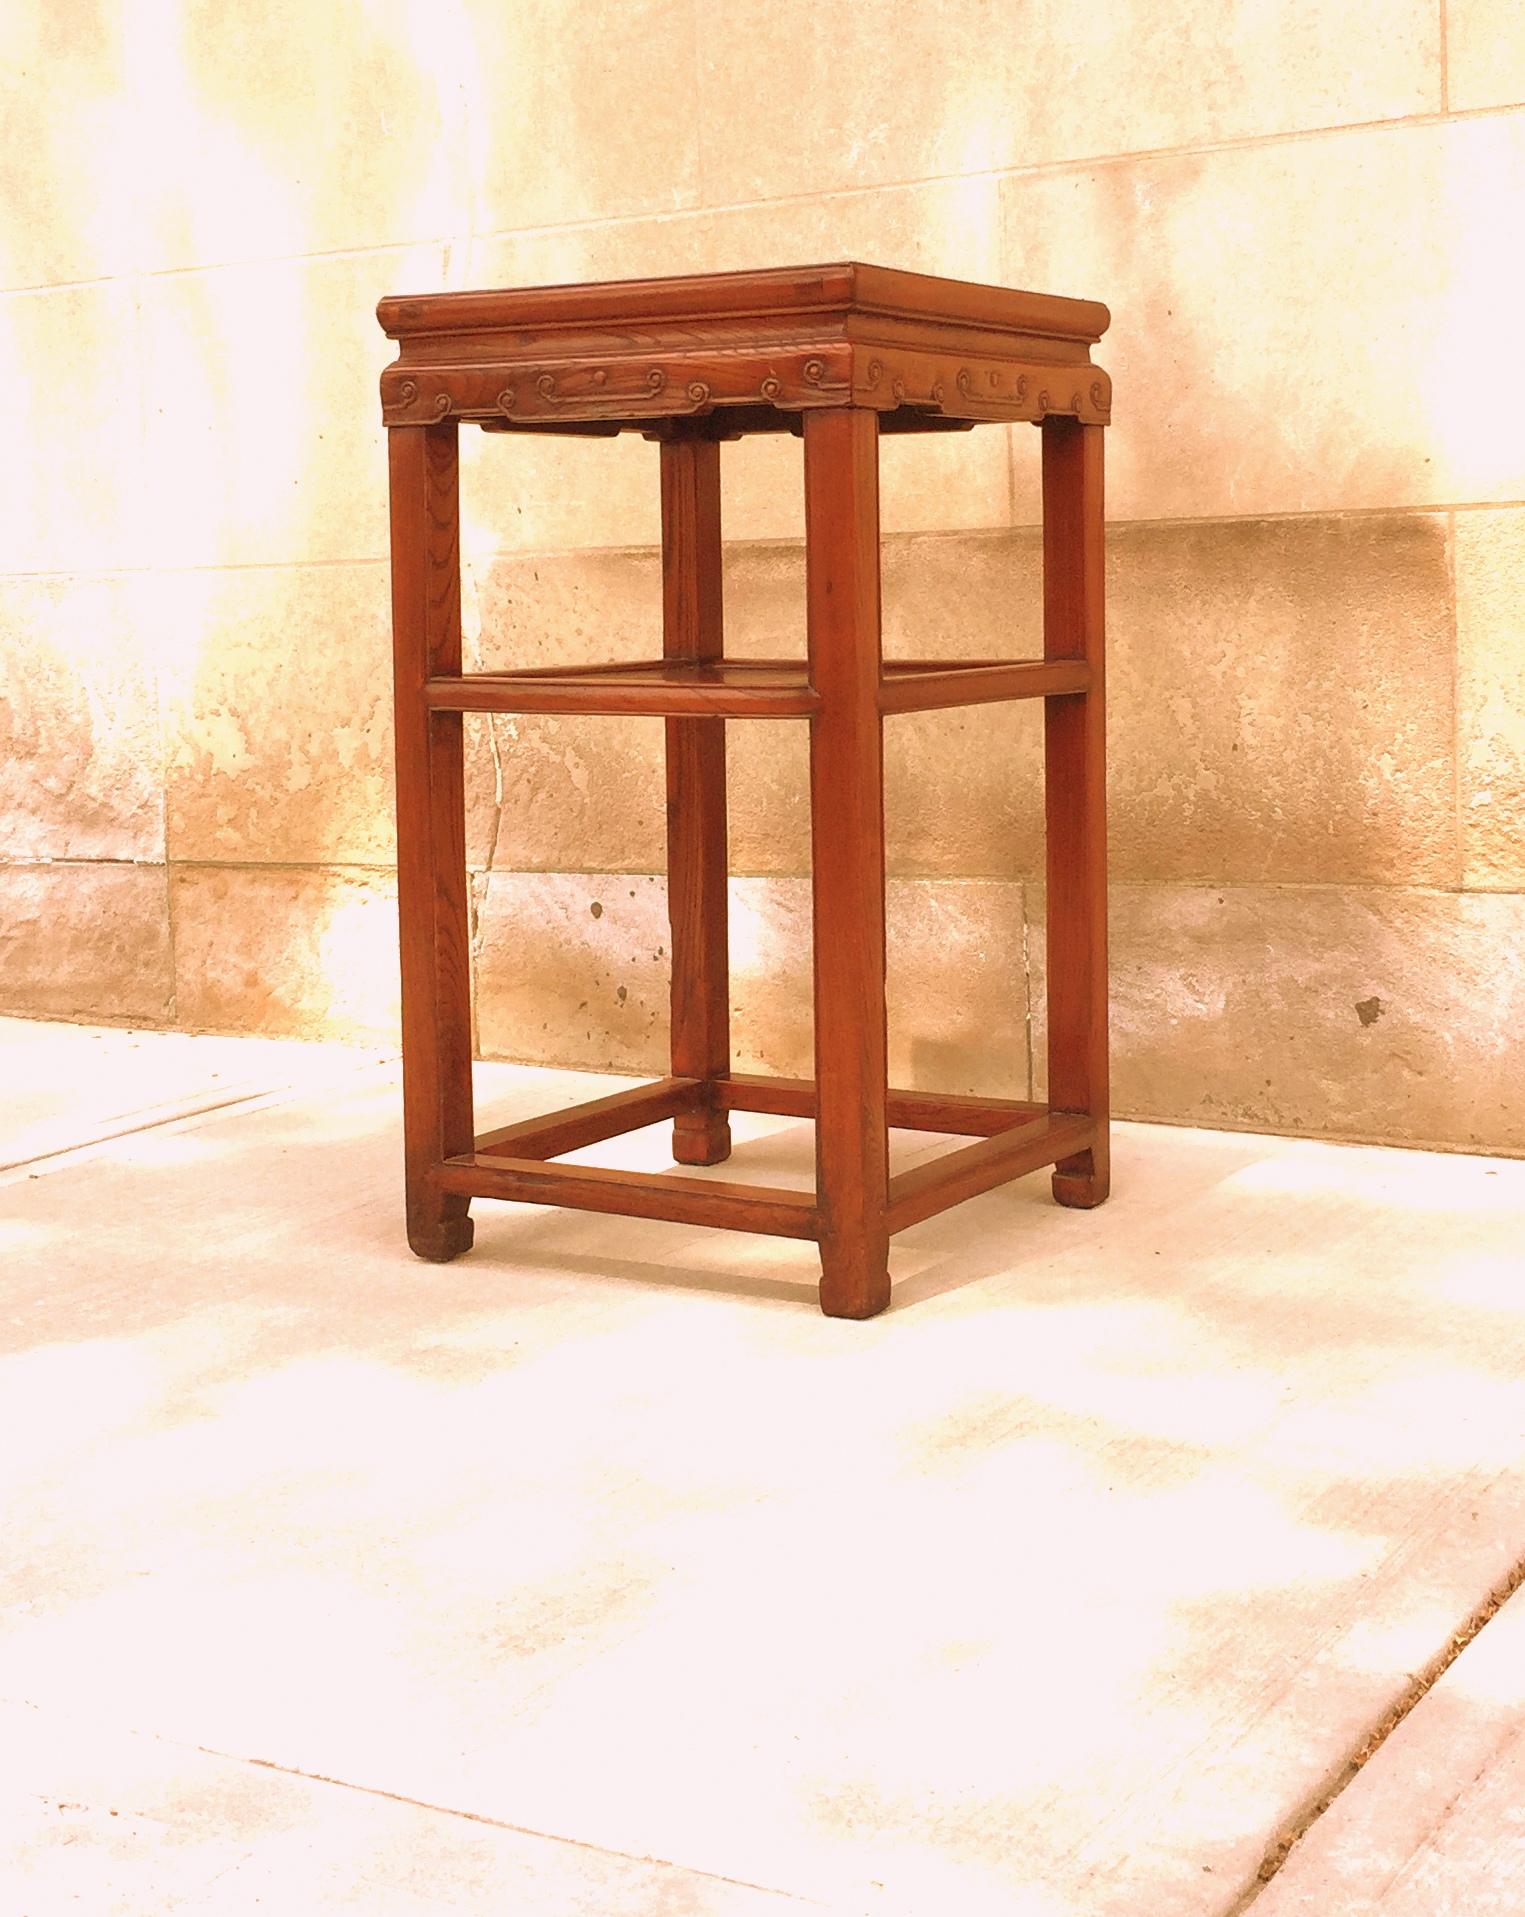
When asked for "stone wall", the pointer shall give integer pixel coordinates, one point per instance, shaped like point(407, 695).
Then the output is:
point(1306, 220)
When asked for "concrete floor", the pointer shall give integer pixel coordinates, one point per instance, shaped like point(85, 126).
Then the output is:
point(598, 1573)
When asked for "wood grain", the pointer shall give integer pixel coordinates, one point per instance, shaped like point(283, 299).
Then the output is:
point(431, 832)
point(847, 857)
point(752, 296)
point(1075, 801)
point(736, 351)
point(678, 692)
point(693, 634)
point(838, 354)
point(957, 1175)
point(746, 688)
point(952, 1112)
point(683, 1201)
point(592, 1122)
point(926, 689)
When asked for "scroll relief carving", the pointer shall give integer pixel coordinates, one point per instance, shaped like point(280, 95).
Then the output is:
point(982, 391)
point(627, 389)
point(642, 389)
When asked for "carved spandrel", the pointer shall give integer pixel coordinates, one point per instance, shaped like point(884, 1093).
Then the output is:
point(984, 390)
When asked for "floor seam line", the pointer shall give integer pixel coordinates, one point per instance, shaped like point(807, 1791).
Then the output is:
point(132, 1129)
point(449, 1810)
point(1429, 1842)
point(1304, 1820)
point(265, 1097)
point(498, 1823)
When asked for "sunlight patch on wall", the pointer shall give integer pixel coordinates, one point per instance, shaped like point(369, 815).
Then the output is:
point(355, 958)
point(1476, 404)
point(217, 198)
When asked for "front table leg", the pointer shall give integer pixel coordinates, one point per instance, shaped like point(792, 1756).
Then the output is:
point(847, 857)
point(431, 834)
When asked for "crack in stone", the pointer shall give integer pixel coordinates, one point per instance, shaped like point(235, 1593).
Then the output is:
point(1302, 1821)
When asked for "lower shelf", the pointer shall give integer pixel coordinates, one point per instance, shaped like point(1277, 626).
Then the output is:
point(747, 688)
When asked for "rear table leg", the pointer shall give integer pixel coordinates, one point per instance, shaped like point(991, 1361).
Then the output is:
point(1075, 742)
point(696, 800)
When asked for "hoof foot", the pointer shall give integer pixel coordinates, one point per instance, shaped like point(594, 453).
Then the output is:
point(856, 1287)
point(855, 1307)
point(705, 1141)
point(441, 1242)
point(1079, 1191)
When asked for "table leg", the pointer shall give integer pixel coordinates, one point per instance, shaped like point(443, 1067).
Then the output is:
point(1075, 742)
point(692, 628)
point(431, 834)
point(847, 857)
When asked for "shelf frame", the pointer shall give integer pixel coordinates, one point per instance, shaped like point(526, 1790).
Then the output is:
point(745, 688)
point(515, 1162)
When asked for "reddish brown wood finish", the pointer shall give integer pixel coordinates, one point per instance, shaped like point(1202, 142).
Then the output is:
point(948, 1180)
point(952, 1112)
point(745, 303)
point(847, 857)
point(1075, 802)
point(728, 347)
point(746, 688)
point(840, 355)
point(686, 1201)
point(692, 634)
point(431, 834)
point(591, 1123)
point(735, 690)
point(932, 687)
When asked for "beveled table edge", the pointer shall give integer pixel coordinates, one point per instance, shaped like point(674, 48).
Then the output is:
point(749, 294)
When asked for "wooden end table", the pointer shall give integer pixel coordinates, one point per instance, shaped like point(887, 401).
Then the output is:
point(837, 355)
